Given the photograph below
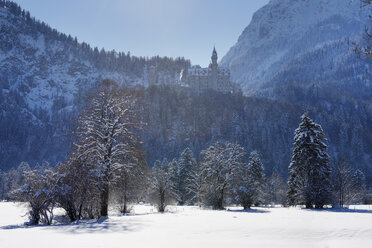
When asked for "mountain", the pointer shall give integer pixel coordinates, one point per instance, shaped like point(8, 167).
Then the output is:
point(45, 76)
point(300, 52)
point(302, 40)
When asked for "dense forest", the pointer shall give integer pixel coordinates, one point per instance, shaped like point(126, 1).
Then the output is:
point(178, 117)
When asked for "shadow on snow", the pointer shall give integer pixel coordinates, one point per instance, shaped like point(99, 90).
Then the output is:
point(340, 210)
point(88, 226)
point(254, 211)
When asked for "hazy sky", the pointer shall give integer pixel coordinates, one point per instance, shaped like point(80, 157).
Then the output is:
point(173, 28)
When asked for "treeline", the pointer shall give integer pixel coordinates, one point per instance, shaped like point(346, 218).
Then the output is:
point(84, 190)
point(224, 175)
point(108, 166)
point(100, 58)
point(221, 177)
point(178, 118)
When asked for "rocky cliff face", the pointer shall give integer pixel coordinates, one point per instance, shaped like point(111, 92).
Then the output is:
point(285, 31)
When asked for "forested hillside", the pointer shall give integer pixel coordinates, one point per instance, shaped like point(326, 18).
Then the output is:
point(44, 78)
point(180, 118)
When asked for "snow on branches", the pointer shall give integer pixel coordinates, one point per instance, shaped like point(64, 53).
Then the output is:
point(107, 138)
point(309, 172)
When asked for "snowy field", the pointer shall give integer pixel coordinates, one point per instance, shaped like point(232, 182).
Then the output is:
point(192, 227)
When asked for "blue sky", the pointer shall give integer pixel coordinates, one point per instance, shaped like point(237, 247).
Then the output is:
point(172, 28)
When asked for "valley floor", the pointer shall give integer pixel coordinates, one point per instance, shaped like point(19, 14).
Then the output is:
point(193, 227)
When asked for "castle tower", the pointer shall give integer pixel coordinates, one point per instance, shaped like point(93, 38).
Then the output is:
point(213, 77)
point(214, 59)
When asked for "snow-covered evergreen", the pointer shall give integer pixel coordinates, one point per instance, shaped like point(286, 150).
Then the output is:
point(181, 175)
point(309, 172)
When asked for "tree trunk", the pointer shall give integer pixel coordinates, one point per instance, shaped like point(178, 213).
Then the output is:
point(104, 200)
point(34, 216)
point(308, 205)
point(124, 208)
point(71, 212)
point(246, 206)
point(161, 207)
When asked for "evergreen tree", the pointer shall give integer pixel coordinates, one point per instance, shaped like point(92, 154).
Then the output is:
point(309, 172)
point(185, 165)
point(194, 185)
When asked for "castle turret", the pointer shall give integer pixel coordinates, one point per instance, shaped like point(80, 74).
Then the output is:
point(213, 77)
point(214, 59)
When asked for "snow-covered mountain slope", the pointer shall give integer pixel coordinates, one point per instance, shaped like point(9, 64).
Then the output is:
point(42, 66)
point(286, 30)
point(45, 77)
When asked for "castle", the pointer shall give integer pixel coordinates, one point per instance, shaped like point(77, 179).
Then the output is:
point(213, 77)
point(200, 79)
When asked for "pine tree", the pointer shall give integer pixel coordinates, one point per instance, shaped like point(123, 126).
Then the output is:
point(309, 172)
point(182, 173)
point(194, 185)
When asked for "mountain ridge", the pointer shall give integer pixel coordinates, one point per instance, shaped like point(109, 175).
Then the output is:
point(282, 31)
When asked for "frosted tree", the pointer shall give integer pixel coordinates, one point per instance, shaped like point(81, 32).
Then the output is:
point(276, 190)
point(131, 184)
point(359, 186)
point(219, 163)
point(162, 190)
point(2, 184)
point(39, 192)
point(249, 182)
point(342, 183)
point(23, 167)
point(348, 185)
point(107, 135)
point(365, 46)
point(309, 172)
point(78, 190)
point(182, 170)
point(194, 185)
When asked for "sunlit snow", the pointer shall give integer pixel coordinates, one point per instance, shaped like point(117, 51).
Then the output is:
point(194, 227)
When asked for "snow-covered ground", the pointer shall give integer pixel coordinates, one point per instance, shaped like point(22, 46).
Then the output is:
point(193, 227)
